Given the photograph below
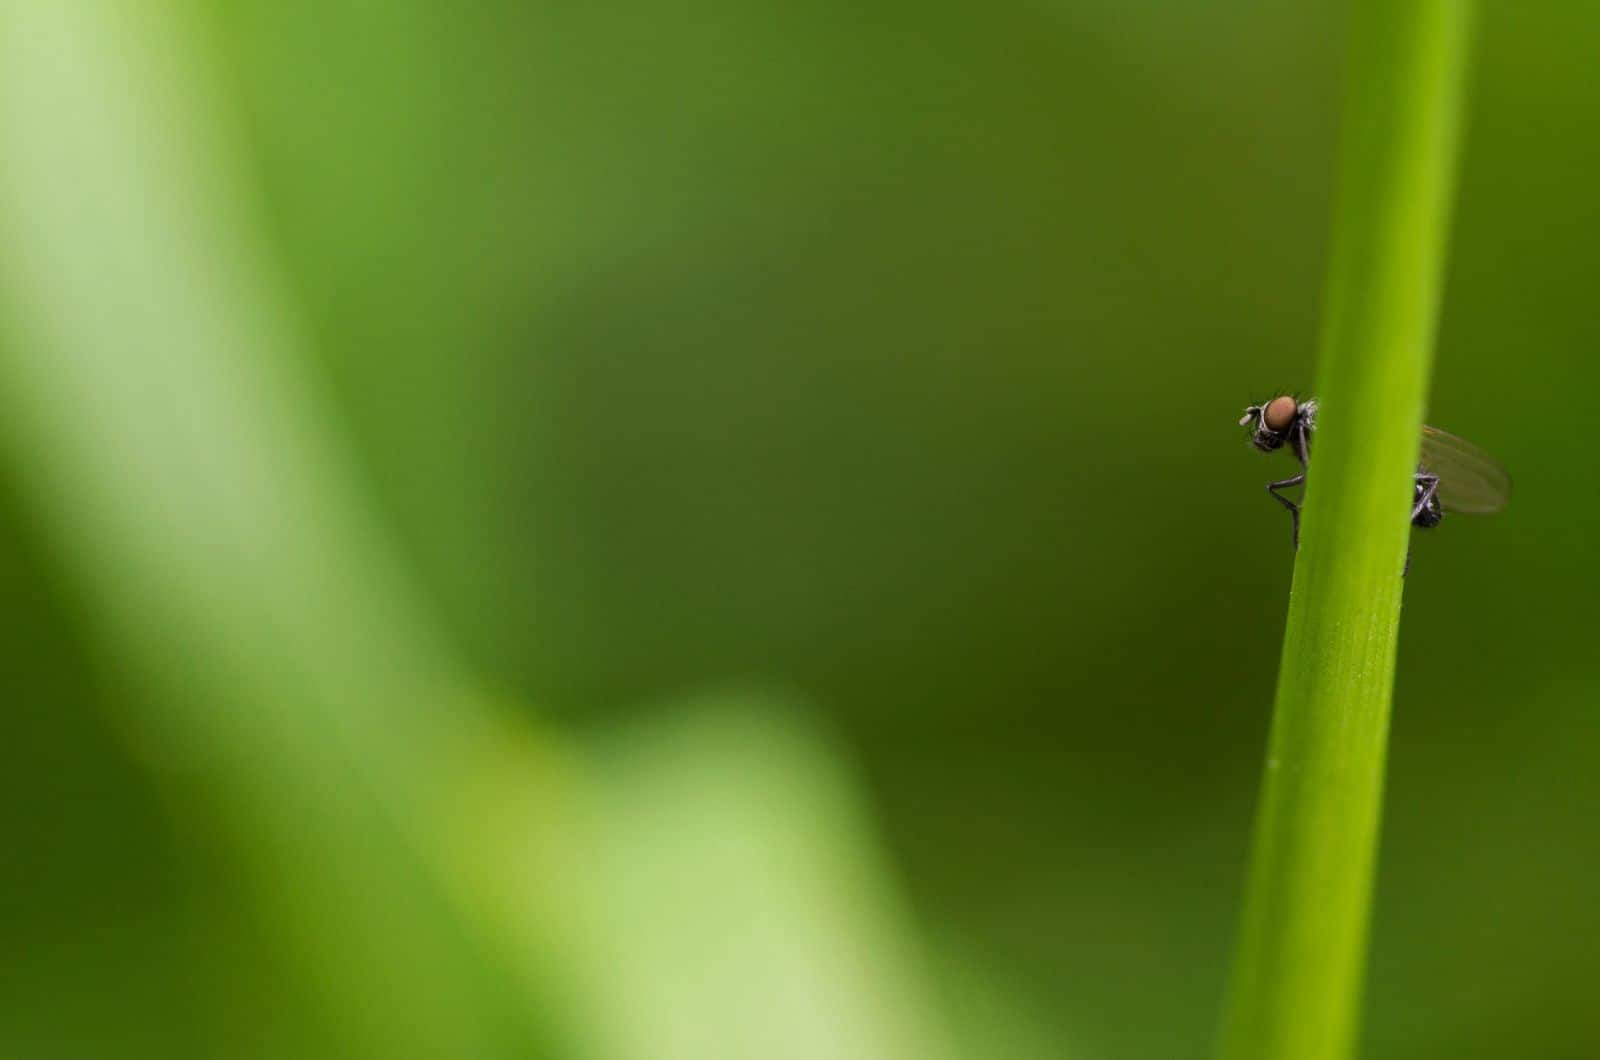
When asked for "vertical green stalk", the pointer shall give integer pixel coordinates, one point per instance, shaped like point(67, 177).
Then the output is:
point(1297, 982)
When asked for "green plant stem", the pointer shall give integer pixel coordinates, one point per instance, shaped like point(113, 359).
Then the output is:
point(1297, 979)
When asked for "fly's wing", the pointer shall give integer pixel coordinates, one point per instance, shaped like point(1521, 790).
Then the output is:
point(1470, 480)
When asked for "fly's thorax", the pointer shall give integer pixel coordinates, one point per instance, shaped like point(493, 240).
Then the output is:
point(1308, 415)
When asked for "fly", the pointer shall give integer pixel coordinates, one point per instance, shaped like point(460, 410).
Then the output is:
point(1453, 475)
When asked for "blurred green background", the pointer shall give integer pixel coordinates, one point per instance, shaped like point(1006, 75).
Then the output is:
point(620, 530)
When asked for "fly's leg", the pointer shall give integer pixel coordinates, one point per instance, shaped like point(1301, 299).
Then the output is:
point(1294, 509)
point(1301, 445)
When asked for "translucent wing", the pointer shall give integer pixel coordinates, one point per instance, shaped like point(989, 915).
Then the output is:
point(1470, 480)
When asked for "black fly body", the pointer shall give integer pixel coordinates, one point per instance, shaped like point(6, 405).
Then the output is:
point(1453, 476)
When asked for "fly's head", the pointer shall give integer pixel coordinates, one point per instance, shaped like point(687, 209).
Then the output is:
point(1270, 423)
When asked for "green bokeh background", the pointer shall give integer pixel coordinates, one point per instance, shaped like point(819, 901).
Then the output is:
point(859, 380)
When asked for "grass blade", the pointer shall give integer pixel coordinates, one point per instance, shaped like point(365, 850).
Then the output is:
point(1296, 988)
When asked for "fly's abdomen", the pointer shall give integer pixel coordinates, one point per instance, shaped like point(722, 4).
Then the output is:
point(1432, 513)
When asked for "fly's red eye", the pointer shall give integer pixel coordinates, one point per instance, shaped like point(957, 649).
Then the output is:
point(1279, 413)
